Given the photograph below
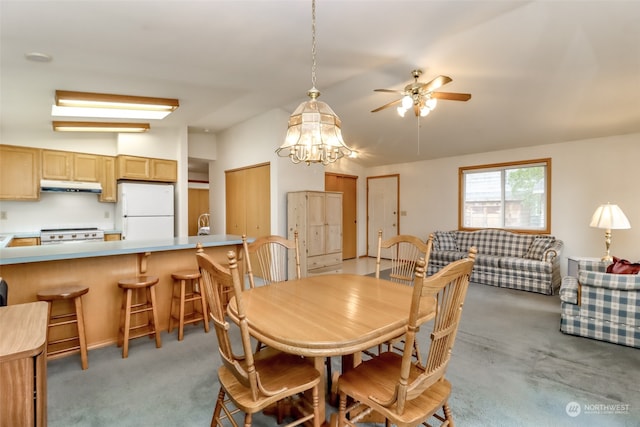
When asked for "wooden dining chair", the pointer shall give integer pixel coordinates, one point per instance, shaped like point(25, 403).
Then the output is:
point(250, 382)
point(271, 254)
point(404, 251)
point(406, 393)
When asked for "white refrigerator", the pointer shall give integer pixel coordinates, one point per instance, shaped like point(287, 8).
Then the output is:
point(145, 211)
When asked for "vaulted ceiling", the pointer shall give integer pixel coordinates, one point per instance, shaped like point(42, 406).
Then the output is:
point(539, 71)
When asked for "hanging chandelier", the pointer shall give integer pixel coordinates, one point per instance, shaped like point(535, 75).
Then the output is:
point(314, 134)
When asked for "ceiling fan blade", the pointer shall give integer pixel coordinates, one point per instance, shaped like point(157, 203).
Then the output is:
point(436, 83)
point(390, 104)
point(451, 96)
point(389, 91)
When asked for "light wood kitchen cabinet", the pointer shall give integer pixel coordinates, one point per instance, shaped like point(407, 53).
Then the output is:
point(146, 169)
point(24, 241)
point(112, 237)
point(248, 201)
point(107, 178)
point(23, 364)
point(19, 173)
point(317, 216)
point(70, 166)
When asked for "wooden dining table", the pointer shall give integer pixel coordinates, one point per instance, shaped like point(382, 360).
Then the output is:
point(328, 315)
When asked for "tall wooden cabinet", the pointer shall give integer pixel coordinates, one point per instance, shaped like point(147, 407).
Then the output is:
point(317, 215)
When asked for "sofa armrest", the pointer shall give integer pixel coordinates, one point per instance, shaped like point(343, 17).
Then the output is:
point(553, 252)
point(621, 282)
point(569, 290)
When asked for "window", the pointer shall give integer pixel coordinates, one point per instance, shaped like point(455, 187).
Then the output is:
point(513, 196)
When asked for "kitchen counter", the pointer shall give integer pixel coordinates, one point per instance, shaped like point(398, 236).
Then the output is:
point(99, 266)
point(27, 254)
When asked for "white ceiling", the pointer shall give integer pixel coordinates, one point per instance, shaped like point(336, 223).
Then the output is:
point(539, 71)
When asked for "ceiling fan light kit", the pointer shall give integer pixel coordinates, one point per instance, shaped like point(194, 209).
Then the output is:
point(314, 134)
point(421, 97)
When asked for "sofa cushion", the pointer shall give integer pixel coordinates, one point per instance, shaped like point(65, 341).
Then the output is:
point(488, 260)
point(622, 266)
point(447, 241)
point(537, 248)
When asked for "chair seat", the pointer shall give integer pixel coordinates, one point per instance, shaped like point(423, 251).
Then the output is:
point(276, 371)
point(60, 293)
point(137, 282)
point(186, 275)
point(378, 377)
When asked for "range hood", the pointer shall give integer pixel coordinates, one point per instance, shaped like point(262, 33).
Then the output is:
point(70, 186)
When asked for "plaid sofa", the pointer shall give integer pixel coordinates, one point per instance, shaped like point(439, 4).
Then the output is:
point(600, 305)
point(527, 262)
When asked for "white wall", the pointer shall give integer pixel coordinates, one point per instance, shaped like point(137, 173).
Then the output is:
point(254, 142)
point(203, 146)
point(585, 174)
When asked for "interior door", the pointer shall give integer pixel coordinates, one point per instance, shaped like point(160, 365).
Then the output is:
point(198, 204)
point(348, 185)
point(382, 211)
point(235, 203)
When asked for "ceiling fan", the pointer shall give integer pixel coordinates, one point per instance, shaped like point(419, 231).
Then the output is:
point(421, 97)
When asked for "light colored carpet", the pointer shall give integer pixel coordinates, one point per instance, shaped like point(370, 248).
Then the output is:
point(511, 367)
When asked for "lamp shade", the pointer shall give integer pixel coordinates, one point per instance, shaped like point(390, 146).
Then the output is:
point(609, 217)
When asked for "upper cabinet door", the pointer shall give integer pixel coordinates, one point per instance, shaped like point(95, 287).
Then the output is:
point(70, 166)
point(86, 167)
point(57, 165)
point(19, 173)
point(147, 169)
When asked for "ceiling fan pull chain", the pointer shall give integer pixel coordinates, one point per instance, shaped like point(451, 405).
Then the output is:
point(419, 126)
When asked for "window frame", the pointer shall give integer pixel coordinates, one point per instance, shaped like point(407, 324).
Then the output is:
point(546, 162)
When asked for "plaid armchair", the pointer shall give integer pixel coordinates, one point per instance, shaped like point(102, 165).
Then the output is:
point(600, 305)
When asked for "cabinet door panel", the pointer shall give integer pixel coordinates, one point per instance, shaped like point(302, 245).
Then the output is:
point(130, 167)
point(57, 165)
point(19, 173)
point(333, 220)
point(164, 170)
point(107, 178)
point(86, 167)
point(316, 224)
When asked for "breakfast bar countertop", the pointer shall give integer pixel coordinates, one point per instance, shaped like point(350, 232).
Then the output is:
point(28, 254)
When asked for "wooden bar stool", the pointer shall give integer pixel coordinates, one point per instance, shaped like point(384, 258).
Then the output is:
point(70, 343)
point(143, 289)
point(187, 289)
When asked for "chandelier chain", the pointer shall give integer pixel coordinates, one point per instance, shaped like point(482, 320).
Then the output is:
point(313, 43)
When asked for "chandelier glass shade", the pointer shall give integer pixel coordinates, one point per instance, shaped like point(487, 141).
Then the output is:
point(314, 134)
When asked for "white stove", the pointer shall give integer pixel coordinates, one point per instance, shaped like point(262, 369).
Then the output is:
point(70, 235)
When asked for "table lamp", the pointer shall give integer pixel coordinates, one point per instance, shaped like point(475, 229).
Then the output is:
point(609, 217)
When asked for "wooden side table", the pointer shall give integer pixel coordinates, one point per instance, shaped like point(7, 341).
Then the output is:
point(23, 364)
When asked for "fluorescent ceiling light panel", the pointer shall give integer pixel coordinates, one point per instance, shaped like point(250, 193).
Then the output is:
point(86, 104)
point(99, 127)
